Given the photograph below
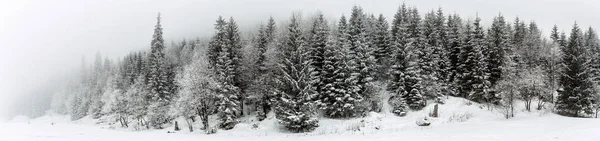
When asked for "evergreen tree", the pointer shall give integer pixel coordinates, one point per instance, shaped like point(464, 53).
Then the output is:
point(554, 34)
point(454, 32)
point(592, 44)
point(577, 95)
point(474, 82)
point(498, 38)
point(295, 105)
point(336, 100)
point(217, 42)
point(270, 29)
point(234, 49)
point(318, 37)
point(434, 62)
point(360, 58)
point(399, 40)
point(228, 93)
point(382, 42)
point(157, 80)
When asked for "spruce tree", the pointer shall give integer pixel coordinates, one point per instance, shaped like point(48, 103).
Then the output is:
point(228, 93)
point(382, 42)
point(399, 40)
point(360, 58)
point(318, 37)
point(296, 92)
point(577, 95)
point(592, 45)
point(554, 34)
point(270, 29)
point(454, 45)
point(234, 49)
point(336, 100)
point(217, 42)
point(498, 38)
point(474, 82)
point(157, 80)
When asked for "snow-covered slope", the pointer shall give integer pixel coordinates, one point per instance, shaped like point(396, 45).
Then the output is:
point(459, 120)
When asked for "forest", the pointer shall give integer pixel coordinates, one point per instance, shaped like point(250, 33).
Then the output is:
point(307, 68)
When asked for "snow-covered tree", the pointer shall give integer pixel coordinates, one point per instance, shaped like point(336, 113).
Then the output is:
point(498, 38)
point(316, 42)
point(198, 92)
point(361, 62)
point(157, 81)
point(474, 82)
point(295, 106)
point(577, 95)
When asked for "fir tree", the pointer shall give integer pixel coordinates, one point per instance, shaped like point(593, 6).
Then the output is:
point(474, 84)
point(554, 34)
point(360, 58)
point(336, 100)
point(228, 93)
point(296, 102)
point(577, 95)
point(217, 42)
point(382, 42)
point(454, 45)
point(270, 29)
point(498, 38)
point(399, 40)
point(318, 37)
point(592, 44)
point(234, 49)
point(157, 80)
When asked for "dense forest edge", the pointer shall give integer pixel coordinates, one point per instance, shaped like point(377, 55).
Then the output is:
point(310, 68)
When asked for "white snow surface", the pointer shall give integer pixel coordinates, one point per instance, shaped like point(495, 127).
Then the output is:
point(458, 121)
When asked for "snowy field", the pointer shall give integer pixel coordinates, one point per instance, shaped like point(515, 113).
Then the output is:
point(458, 121)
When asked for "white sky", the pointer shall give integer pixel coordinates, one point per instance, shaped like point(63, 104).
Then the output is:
point(41, 39)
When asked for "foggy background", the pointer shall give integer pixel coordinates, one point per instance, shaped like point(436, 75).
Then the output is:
point(43, 41)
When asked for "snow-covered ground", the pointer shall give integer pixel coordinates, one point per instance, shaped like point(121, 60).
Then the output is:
point(458, 121)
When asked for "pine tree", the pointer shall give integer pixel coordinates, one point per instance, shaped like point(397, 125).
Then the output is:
point(577, 95)
point(399, 41)
point(498, 38)
point(217, 42)
point(270, 29)
point(592, 44)
point(554, 34)
point(474, 82)
point(228, 104)
point(296, 102)
point(360, 58)
point(157, 80)
point(336, 100)
point(234, 48)
point(454, 45)
point(434, 62)
point(382, 42)
point(318, 37)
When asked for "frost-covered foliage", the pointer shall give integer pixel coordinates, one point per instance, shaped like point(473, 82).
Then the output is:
point(198, 92)
point(295, 106)
point(576, 99)
point(337, 71)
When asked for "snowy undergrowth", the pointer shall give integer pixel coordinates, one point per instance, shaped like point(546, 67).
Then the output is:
point(456, 118)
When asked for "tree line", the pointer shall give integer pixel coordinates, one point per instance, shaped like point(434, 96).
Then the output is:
point(310, 68)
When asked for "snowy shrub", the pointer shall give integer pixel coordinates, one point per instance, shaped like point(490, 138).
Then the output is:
point(459, 117)
point(355, 126)
point(399, 105)
point(211, 130)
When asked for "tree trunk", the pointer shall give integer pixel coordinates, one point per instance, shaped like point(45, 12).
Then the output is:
point(189, 124)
